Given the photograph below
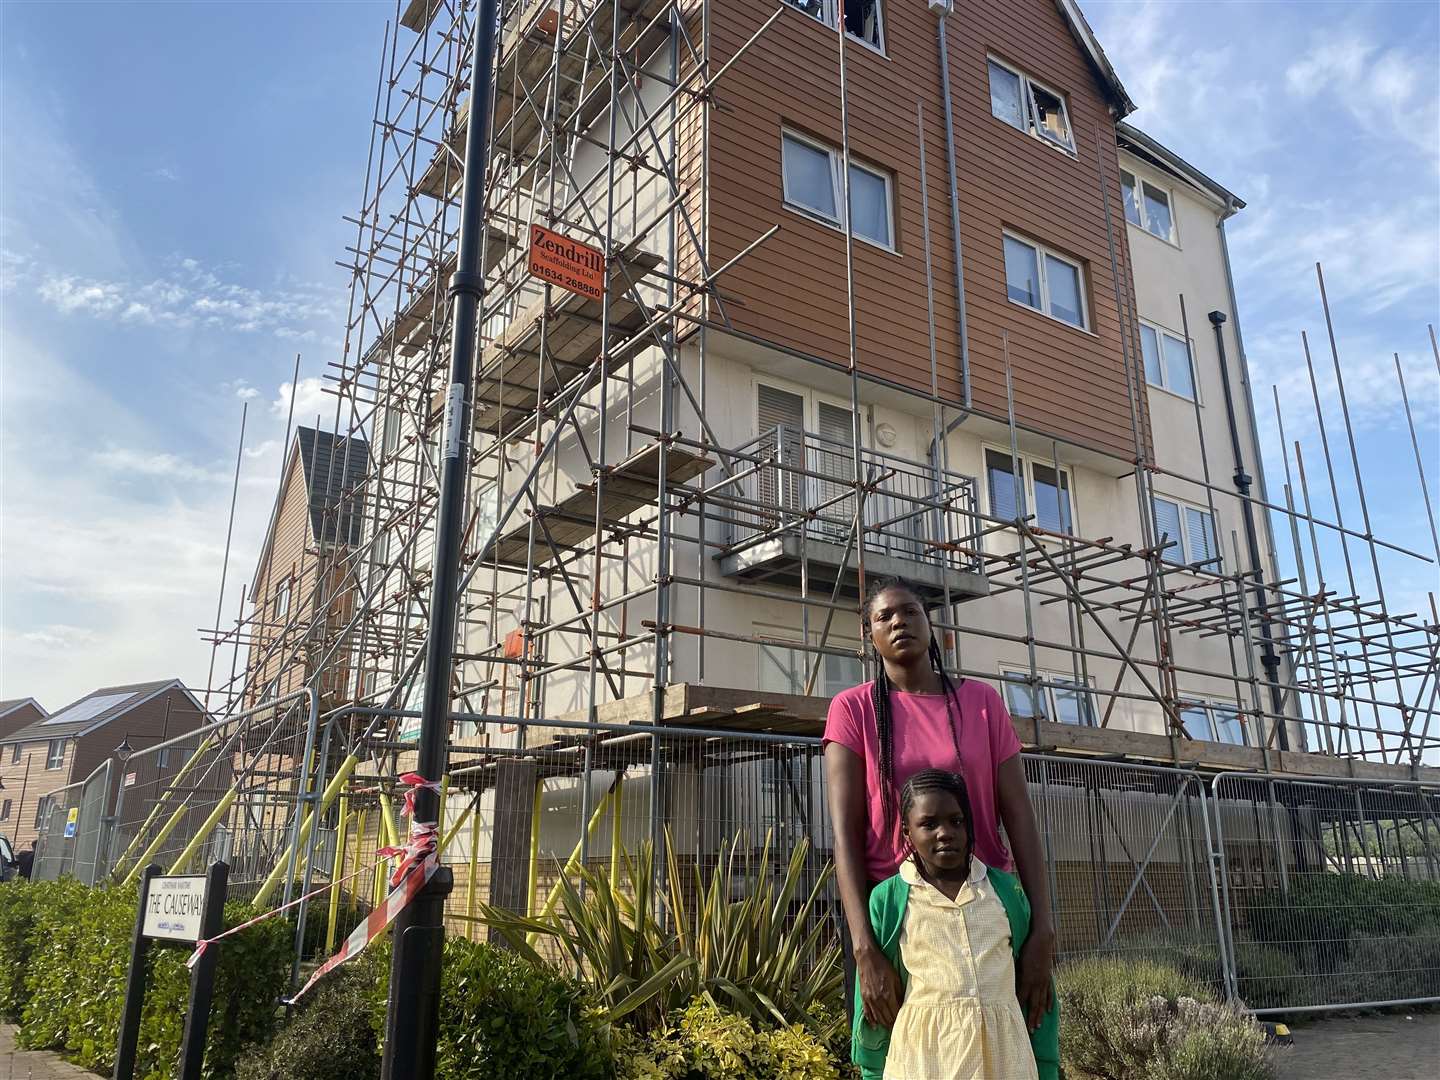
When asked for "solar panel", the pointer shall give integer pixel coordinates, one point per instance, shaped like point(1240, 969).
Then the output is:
point(88, 709)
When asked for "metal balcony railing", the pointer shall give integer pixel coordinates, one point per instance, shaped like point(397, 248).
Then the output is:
point(800, 485)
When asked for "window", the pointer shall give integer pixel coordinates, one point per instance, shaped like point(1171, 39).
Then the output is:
point(1047, 494)
point(1213, 722)
point(1148, 207)
point(55, 754)
point(282, 600)
point(5, 810)
point(390, 433)
point(15, 754)
point(162, 759)
point(1167, 361)
point(1060, 698)
point(1027, 106)
point(1192, 531)
point(784, 669)
point(810, 173)
point(41, 809)
point(1038, 278)
point(864, 19)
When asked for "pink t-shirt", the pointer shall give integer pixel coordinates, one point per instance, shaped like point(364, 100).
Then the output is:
point(922, 740)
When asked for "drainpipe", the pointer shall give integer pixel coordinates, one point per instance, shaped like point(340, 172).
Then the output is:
point(1268, 658)
point(943, 8)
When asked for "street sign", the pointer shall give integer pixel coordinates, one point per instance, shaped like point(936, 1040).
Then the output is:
point(568, 263)
point(175, 908)
point(71, 820)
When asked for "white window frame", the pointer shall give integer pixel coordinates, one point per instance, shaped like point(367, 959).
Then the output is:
point(1027, 464)
point(1209, 707)
point(1216, 564)
point(282, 599)
point(1164, 384)
point(53, 760)
point(41, 809)
point(15, 752)
point(5, 808)
point(1041, 252)
point(1033, 127)
point(1139, 181)
point(828, 12)
point(1019, 677)
point(813, 400)
point(837, 189)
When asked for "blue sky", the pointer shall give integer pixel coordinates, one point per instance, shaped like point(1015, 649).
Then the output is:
point(174, 179)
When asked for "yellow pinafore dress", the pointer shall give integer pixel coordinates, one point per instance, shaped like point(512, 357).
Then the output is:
point(961, 1019)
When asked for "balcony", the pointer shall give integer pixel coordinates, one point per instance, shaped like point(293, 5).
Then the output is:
point(791, 511)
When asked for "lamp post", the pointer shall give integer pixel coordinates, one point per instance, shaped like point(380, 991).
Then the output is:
point(412, 1019)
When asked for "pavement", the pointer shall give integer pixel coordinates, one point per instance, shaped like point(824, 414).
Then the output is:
point(33, 1064)
point(1388, 1047)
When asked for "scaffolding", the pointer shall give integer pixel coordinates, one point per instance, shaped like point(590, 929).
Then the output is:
point(607, 520)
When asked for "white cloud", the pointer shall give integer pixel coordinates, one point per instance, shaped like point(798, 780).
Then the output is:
point(128, 463)
point(311, 400)
point(165, 173)
point(191, 295)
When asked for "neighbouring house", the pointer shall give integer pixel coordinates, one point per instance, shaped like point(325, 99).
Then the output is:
point(58, 749)
point(18, 713)
point(302, 568)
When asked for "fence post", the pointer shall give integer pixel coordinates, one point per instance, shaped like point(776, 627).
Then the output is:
point(134, 987)
point(202, 978)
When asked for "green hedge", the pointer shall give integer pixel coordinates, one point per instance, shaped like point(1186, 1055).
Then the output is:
point(71, 945)
point(332, 1036)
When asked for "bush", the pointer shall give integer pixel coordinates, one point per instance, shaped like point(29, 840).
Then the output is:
point(1145, 1021)
point(705, 1043)
point(1268, 976)
point(74, 986)
point(332, 1036)
point(504, 1016)
point(17, 918)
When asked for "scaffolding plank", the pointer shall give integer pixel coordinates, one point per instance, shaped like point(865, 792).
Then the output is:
point(570, 524)
point(511, 387)
point(419, 13)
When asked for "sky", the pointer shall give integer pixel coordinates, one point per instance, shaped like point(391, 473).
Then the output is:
point(173, 185)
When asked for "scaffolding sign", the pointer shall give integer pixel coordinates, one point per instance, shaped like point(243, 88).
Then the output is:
point(571, 265)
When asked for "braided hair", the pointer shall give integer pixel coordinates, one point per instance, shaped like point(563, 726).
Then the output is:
point(880, 694)
point(929, 781)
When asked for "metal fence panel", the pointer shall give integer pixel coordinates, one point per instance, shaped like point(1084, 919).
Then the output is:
point(1331, 890)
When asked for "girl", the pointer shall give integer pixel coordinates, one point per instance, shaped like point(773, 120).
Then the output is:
point(913, 717)
point(951, 927)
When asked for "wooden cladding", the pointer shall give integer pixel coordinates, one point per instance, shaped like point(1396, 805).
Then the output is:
point(1069, 382)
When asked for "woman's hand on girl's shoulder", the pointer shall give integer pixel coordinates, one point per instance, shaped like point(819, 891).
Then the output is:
point(880, 989)
point(1037, 964)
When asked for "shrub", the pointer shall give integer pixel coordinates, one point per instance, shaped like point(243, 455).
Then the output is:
point(1267, 976)
point(1145, 1021)
point(706, 1043)
point(762, 954)
point(75, 983)
point(17, 917)
point(504, 1016)
point(330, 1038)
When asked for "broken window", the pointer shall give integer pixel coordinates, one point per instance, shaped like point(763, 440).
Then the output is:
point(1027, 106)
point(863, 21)
point(816, 9)
point(1148, 206)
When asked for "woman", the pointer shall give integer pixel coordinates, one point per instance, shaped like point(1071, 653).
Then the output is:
point(878, 735)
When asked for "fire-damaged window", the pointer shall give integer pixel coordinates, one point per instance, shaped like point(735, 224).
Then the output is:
point(1028, 106)
point(864, 19)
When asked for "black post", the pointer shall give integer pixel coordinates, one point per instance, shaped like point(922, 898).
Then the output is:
point(412, 1021)
point(134, 987)
point(202, 977)
point(1268, 658)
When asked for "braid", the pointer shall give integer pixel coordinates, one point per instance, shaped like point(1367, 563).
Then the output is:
point(952, 695)
point(885, 730)
point(928, 781)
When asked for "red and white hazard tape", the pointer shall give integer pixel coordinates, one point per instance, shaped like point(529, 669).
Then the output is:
point(418, 863)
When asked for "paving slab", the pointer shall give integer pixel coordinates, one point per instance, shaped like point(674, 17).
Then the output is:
point(33, 1064)
point(1389, 1047)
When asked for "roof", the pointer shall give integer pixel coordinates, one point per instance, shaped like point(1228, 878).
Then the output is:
point(7, 707)
point(333, 467)
point(1075, 18)
point(1137, 142)
point(95, 710)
